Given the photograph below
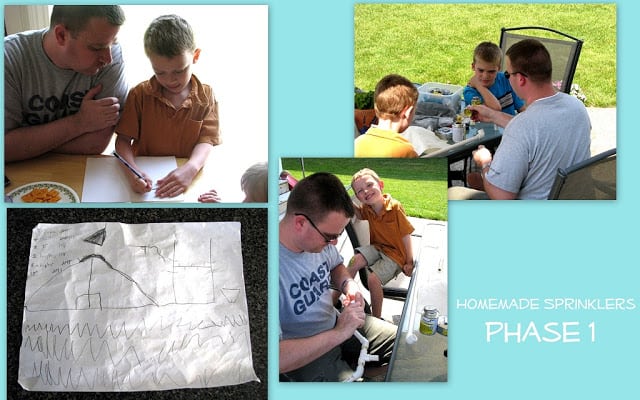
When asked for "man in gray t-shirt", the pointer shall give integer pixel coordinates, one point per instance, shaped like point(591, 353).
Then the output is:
point(553, 132)
point(64, 85)
point(316, 343)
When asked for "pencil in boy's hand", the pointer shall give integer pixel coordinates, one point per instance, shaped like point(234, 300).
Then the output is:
point(126, 164)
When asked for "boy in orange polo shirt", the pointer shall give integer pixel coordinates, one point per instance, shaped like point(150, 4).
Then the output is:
point(171, 114)
point(390, 251)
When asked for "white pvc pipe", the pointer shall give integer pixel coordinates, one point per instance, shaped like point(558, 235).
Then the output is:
point(411, 336)
point(362, 358)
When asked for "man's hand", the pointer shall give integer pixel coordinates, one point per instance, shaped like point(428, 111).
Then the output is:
point(480, 112)
point(99, 114)
point(351, 292)
point(482, 156)
point(483, 113)
point(352, 316)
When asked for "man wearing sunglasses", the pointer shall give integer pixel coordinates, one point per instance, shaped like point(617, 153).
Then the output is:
point(553, 132)
point(317, 343)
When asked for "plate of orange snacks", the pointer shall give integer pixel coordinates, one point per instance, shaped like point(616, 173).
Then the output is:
point(44, 192)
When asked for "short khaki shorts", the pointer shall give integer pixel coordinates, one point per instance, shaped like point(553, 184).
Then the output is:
point(385, 268)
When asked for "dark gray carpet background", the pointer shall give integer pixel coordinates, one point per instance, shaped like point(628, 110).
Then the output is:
point(21, 221)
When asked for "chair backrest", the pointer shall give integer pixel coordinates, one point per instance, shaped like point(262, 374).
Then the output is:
point(564, 50)
point(591, 179)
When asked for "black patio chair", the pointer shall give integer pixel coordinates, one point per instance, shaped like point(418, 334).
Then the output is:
point(564, 50)
point(591, 179)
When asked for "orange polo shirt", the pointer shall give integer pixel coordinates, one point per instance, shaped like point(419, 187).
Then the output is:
point(159, 129)
point(383, 143)
point(387, 229)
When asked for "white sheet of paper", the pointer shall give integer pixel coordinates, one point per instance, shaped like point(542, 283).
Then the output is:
point(105, 180)
point(116, 307)
point(423, 139)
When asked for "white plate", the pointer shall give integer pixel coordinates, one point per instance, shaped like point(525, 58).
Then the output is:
point(67, 195)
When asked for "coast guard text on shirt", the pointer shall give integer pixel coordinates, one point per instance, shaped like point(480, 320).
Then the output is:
point(309, 289)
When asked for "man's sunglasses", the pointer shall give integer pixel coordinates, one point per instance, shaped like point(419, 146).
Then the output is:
point(508, 74)
point(327, 237)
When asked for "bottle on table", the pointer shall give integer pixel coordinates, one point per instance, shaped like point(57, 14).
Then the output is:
point(429, 320)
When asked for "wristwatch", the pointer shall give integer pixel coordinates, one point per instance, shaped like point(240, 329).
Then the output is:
point(485, 168)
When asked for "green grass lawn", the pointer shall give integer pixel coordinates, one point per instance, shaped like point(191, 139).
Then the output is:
point(435, 42)
point(419, 184)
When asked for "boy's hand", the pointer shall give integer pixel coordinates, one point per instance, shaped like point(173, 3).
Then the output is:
point(408, 269)
point(209, 197)
point(138, 185)
point(474, 82)
point(176, 182)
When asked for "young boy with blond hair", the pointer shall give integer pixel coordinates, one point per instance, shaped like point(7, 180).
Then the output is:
point(171, 114)
point(489, 83)
point(395, 99)
point(390, 251)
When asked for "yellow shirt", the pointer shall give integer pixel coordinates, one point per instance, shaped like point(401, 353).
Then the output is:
point(383, 143)
point(159, 129)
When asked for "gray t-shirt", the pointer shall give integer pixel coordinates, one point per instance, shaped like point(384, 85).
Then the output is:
point(36, 91)
point(553, 132)
point(306, 305)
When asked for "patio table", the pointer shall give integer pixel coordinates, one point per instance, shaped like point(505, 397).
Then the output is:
point(487, 134)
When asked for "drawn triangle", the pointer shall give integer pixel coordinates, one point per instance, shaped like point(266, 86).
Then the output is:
point(230, 294)
point(98, 237)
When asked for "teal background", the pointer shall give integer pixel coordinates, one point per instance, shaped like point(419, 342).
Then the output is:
point(496, 250)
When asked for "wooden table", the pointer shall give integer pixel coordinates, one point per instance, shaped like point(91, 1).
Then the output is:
point(70, 170)
point(67, 169)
